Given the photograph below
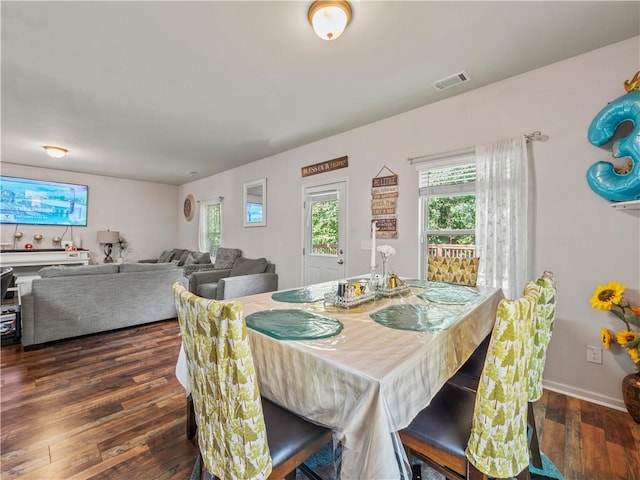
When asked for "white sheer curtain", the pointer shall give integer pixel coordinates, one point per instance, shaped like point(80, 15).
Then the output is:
point(503, 215)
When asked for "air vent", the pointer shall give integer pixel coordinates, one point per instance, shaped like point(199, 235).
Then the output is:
point(451, 81)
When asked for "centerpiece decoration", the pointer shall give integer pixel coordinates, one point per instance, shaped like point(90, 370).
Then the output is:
point(390, 283)
point(385, 252)
point(610, 297)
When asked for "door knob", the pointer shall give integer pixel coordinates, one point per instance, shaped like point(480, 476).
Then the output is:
point(340, 262)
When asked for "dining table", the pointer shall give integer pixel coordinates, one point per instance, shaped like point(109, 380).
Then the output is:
point(364, 370)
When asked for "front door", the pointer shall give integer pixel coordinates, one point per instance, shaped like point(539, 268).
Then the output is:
point(324, 236)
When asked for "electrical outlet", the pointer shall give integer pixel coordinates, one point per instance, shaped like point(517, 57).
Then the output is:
point(594, 354)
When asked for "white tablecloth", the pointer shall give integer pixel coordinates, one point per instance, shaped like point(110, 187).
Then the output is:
point(367, 382)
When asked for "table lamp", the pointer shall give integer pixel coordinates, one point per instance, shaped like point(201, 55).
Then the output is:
point(108, 238)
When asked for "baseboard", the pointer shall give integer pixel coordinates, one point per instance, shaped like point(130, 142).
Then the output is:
point(603, 400)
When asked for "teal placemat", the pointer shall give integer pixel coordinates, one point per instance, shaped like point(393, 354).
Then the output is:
point(454, 295)
point(313, 293)
point(293, 324)
point(420, 317)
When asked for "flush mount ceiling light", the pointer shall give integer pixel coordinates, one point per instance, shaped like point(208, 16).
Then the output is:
point(329, 17)
point(55, 152)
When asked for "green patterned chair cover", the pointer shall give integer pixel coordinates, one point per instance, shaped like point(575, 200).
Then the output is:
point(498, 442)
point(461, 271)
point(231, 430)
point(545, 316)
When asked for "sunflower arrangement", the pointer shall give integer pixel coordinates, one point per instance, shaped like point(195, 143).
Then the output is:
point(611, 297)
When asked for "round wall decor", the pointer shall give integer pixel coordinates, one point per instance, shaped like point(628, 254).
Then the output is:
point(189, 207)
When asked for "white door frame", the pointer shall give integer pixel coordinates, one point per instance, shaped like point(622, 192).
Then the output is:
point(303, 195)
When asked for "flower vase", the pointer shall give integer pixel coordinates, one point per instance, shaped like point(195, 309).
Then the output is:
point(631, 395)
point(385, 272)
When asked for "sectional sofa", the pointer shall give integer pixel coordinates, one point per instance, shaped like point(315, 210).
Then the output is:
point(73, 301)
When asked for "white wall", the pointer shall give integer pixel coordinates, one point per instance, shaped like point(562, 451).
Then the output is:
point(578, 235)
point(145, 213)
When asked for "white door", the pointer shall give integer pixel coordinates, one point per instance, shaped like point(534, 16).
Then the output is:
point(324, 234)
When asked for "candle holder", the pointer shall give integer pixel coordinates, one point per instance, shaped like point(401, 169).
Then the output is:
point(385, 272)
point(373, 281)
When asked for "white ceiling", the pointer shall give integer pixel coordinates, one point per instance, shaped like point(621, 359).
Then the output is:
point(157, 90)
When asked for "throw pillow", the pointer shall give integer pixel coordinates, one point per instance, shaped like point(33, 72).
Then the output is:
point(190, 259)
point(202, 257)
point(248, 266)
point(226, 257)
point(164, 256)
point(183, 257)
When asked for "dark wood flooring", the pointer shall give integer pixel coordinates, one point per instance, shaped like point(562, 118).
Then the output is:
point(109, 406)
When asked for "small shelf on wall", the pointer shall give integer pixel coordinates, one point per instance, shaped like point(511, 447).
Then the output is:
point(630, 205)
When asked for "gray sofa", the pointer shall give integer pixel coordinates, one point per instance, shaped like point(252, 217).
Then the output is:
point(246, 277)
point(192, 261)
point(73, 301)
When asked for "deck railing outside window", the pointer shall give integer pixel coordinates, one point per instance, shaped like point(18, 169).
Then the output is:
point(325, 249)
point(444, 250)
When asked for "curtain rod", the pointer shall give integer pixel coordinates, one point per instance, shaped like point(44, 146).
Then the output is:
point(537, 135)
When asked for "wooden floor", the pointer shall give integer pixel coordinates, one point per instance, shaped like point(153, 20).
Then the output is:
point(109, 407)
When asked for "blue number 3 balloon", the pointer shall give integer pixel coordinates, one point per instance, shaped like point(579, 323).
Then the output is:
point(602, 176)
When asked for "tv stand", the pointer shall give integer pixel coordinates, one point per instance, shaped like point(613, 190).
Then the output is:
point(43, 257)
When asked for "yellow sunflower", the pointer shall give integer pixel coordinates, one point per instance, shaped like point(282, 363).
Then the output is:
point(606, 337)
point(625, 336)
point(606, 295)
point(634, 354)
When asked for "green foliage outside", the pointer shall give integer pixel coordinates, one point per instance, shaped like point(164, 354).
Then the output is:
point(324, 216)
point(213, 227)
point(452, 213)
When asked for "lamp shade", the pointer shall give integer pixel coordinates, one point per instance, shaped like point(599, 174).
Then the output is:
point(329, 18)
point(108, 237)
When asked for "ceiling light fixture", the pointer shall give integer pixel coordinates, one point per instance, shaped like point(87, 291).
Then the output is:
point(55, 152)
point(329, 17)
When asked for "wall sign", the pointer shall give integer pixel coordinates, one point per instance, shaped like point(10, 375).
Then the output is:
point(327, 166)
point(384, 204)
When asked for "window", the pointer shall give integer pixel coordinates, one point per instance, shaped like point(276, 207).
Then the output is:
point(210, 227)
point(324, 224)
point(448, 210)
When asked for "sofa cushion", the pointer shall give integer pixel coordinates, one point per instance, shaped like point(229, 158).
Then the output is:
point(165, 256)
point(202, 257)
point(51, 272)
point(182, 257)
point(191, 259)
point(226, 257)
point(248, 266)
point(145, 267)
point(207, 290)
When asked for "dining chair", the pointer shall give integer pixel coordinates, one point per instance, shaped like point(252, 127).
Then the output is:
point(456, 270)
point(6, 276)
point(241, 436)
point(472, 435)
point(469, 374)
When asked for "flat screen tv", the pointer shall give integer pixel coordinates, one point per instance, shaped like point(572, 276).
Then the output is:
point(36, 202)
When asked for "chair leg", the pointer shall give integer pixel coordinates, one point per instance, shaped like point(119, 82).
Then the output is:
point(191, 419)
point(534, 446)
point(524, 474)
point(473, 473)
